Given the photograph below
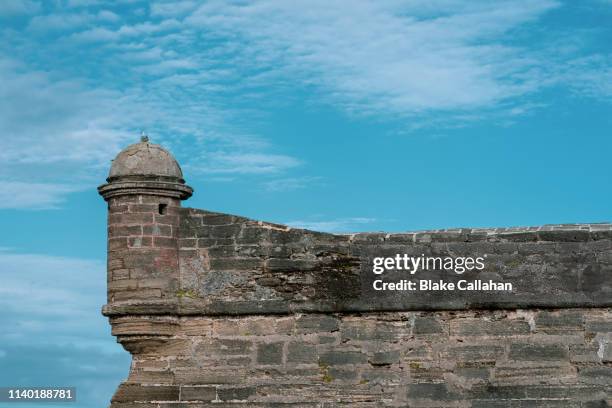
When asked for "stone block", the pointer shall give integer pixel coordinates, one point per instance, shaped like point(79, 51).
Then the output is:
point(564, 236)
point(332, 358)
point(270, 353)
point(300, 352)
point(151, 376)
point(383, 358)
point(136, 218)
point(317, 323)
point(525, 373)
point(142, 208)
point(428, 325)
point(238, 393)
point(134, 294)
point(473, 353)
point(374, 376)
point(563, 403)
point(431, 391)
point(157, 230)
point(536, 352)
point(596, 375)
point(584, 353)
point(136, 392)
point(291, 265)
point(198, 376)
point(218, 219)
point(224, 231)
point(198, 393)
point(224, 347)
point(559, 322)
point(135, 326)
point(369, 331)
point(599, 326)
point(140, 242)
point(482, 327)
point(339, 374)
point(236, 264)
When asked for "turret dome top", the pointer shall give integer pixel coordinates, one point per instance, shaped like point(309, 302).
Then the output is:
point(145, 159)
point(145, 168)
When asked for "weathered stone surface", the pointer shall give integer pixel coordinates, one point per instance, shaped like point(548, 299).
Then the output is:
point(299, 352)
point(270, 353)
point(288, 270)
point(145, 159)
point(227, 362)
point(198, 393)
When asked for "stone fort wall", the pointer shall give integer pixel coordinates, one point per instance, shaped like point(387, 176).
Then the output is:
point(221, 311)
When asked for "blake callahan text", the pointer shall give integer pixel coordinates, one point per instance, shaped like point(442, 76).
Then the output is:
point(440, 285)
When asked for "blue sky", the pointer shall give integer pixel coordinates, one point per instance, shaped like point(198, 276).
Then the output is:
point(337, 116)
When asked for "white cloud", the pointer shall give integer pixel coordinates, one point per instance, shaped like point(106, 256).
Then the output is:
point(50, 313)
point(57, 136)
point(195, 76)
point(168, 66)
point(70, 21)
point(590, 76)
point(388, 57)
point(107, 15)
point(96, 34)
point(38, 196)
point(338, 225)
point(371, 57)
point(148, 28)
point(56, 127)
point(58, 21)
point(45, 120)
point(247, 163)
point(290, 183)
point(100, 34)
point(50, 296)
point(85, 3)
point(10, 8)
point(172, 8)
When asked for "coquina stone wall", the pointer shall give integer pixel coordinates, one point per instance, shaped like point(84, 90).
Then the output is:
point(222, 311)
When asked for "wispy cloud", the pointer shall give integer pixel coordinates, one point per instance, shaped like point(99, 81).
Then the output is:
point(11, 8)
point(70, 21)
point(173, 8)
point(57, 299)
point(53, 127)
point(291, 183)
point(336, 225)
point(248, 163)
point(200, 77)
point(126, 31)
point(48, 120)
point(590, 76)
point(37, 196)
point(386, 57)
point(54, 131)
point(38, 291)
